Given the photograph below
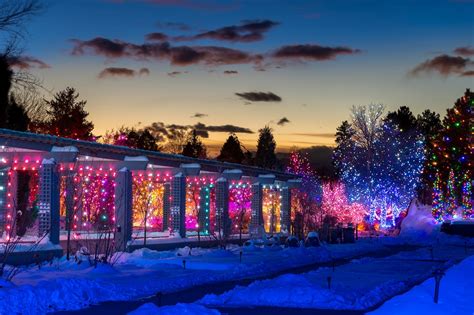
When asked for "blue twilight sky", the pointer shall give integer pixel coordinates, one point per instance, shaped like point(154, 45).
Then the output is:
point(318, 57)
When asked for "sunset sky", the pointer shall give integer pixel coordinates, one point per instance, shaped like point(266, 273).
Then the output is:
point(164, 61)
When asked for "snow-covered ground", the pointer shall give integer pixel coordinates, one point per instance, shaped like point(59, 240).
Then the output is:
point(181, 309)
point(358, 285)
point(456, 295)
point(66, 285)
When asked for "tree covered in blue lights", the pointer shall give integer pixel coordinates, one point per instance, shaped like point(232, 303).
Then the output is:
point(379, 161)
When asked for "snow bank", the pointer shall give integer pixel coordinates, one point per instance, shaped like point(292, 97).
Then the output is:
point(455, 296)
point(186, 309)
point(419, 223)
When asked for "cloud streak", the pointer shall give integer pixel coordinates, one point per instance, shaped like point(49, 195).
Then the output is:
point(26, 63)
point(310, 52)
point(248, 31)
point(199, 115)
point(259, 96)
point(464, 51)
point(156, 36)
point(444, 65)
point(122, 72)
point(283, 121)
point(176, 55)
point(167, 131)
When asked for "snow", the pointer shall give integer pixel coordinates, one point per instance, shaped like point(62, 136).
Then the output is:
point(358, 285)
point(140, 158)
point(186, 309)
point(43, 245)
point(455, 296)
point(64, 149)
point(67, 285)
point(419, 223)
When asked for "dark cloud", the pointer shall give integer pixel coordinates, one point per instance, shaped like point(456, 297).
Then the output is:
point(464, 51)
point(176, 55)
point(259, 96)
point(469, 73)
point(26, 62)
point(173, 25)
point(199, 115)
point(231, 72)
point(122, 72)
point(283, 121)
point(443, 65)
point(222, 128)
point(144, 71)
point(168, 131)
point(312, 52)
point(248, 31)
point(175, 73)
point(159, 37)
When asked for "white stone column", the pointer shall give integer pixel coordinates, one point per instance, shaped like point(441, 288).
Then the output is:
point(48, 205)
point(178, 204)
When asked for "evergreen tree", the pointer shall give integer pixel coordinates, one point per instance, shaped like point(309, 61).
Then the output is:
point(5, 84)
point(17, 118)
point(453, 147)
point(265, 156)
point(67, 117)
point(344, 144)
point(146, 141)
point(231, 150)
point(194, 147)
point(403, 119)
point(466, 198)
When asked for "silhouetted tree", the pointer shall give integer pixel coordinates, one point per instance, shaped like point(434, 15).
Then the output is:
point(130, 137)
point(231, 151)
point(14, 13)
point(403, 119)
point(146, 141)
point(194, 147)
point(17, 118)
point(265, 156)
point(67, 117)
point(344, 144)
point(5, 84)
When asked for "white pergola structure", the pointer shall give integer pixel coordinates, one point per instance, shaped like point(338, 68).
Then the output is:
point(58, 160)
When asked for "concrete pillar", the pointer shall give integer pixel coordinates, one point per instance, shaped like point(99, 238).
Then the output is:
point(48, 205)
point(223, 222)
point(123, 208)
point(4, 200)
point(285, 210)
point(256, 219)
point(166, 206)
point(204, 210)
point(178, 204)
